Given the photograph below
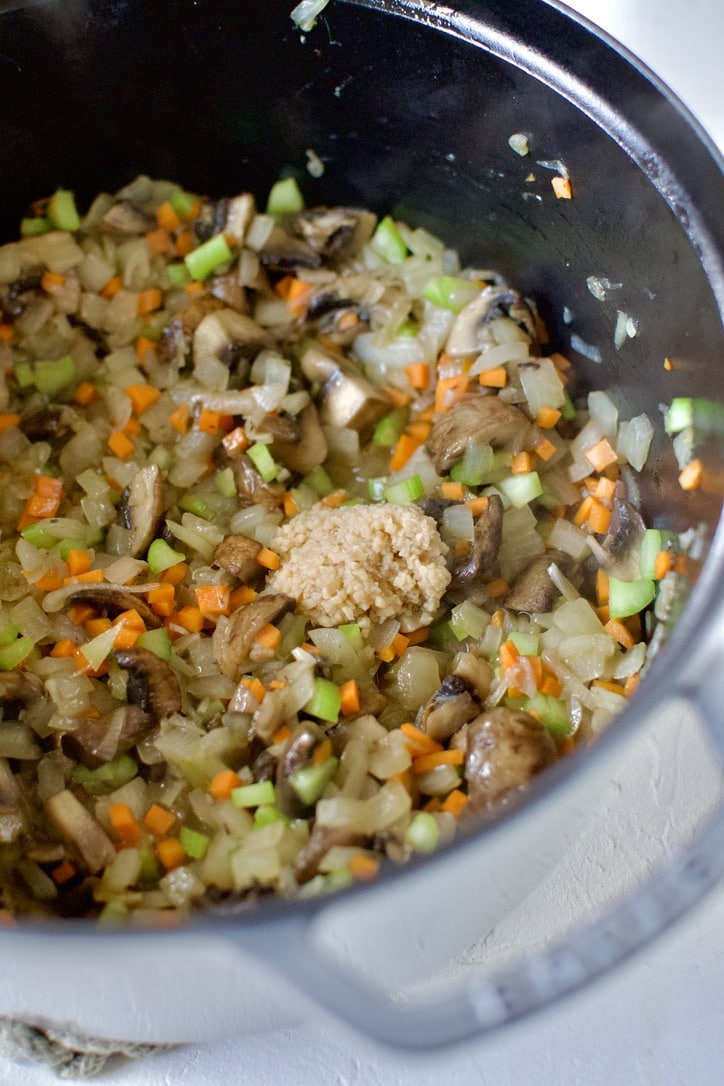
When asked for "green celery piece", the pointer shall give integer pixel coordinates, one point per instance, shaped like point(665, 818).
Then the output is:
point(62, 211)
point(207, 257)
point(651, 544)
point(191, 503)
point(285, 198)
point(475, 467)
point(149, 874)
point(423, 833)
point(8, 635)
point(106, 778)
point(408, 328)
point(353, 634)
point(468, 620)
point(376, 488)
point(13, 654)
point(704, 416)
point(161, 556)
point(263, 461)
point(552, 712)
point(521, 489)
point(23, 372)
point(157, 642)
point(568, 410)
point(337, 880)
point(326, 701)
point(309, 781)
point(194, 843)
point(527, 644)
point(319, 481)
point(387, 241)
point(178, 274)
point(36, 534)
point(450, 292)
point(225, 483)
point(388, 429)
point(113, 912)
point(51, 377)
point(264, 816)
point(627, 598)
point(67, 545)
point(409, 490)
point(32, 227)
point(261, 794)
point(183, 204)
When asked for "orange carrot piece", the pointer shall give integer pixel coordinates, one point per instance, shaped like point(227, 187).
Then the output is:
point(49, 582)
point(601, 586)
point(281, 734)
point(268, 559)
point(290, 505)
point(334, 500)
point(402, 451)
point(581, 515)
point(604, 684)
point(7, 420)
point(425, 762)
point(91, 576)
point(601, 455)
point(478, 506)
point(562, 188)
point(63, 872)
point(419, 742)
point(78, 561)
point(509, 655)
point(95, 626)
point(362, 868)
point(349, 693)
point(79, 613)
point(418, 637)
point(548, 417)
point(6, 333)
point(51, 280)
point(692, 475)
point(145, 349)
point(148, 301)
point(522, 463)
point(111, 288)
point(161, 600)
point(386, 655)
point(400, 644)
point(242, 595)
point(599, 517)
point(167, 217)
point(544, 448)
point(175, 574)
point(63, 649)
point(142, 397)
point(123, 822)
point(120, 445)
point(184, 245)
point(236, 441)
point(495, 378)
point(498, 588)
point(256, 688)
point(631, 685)
point(322, 752)
point(158, 819)
point(418, 374)
point(619, 633)
point(449, 391)
point(209, 422)
point(396, 396)
point(453, 491)
point(551, 685)
point(86, 394)
point(455, 802)
point(269, 637)
point(223, 783)
point(213, 599)
point(180, 419)
point(605, 489)
point(171, 852)
point(420, 429)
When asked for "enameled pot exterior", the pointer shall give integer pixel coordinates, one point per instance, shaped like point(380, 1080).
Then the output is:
point(410, 107)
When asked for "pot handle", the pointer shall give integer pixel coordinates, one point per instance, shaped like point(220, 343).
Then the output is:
point(479, 1006)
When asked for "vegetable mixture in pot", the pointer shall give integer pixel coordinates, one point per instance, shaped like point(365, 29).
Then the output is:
point(307, 556)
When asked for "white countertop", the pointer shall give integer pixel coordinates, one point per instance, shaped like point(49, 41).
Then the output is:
point(658, 1021)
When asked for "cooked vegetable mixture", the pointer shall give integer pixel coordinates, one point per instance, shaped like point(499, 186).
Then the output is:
point(307, 554)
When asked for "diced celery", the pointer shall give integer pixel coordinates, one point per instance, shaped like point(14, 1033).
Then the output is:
point(552, 712)
point(8, 634)
point(326, 701)
point(194, 843)
point(183, 204)
point(62, 211)
point(376, 488)
point(451, 292)
point(387, 241)
point(284, 198)
point(527, 644)
point(263, 461)
point(353, 634)
point(521, 489)
point(337, 880)
point(113, 912)
point(13, 654)
point(408, 328)
point(149, 874)
point(157, 642)
point(178, 274)
point(468, 620)
point(192, 503)
point(261, 794)
point(106, 778)
point(568, 409)
point(423, 833)
point(161, 556)
point(32, 227)
point(405, 492)
point(309, 781)
point(388, 429)
point(207, 257)
point(225, 483)
point(36, 534)
point(475, 467)
point(319, 481)
point(704, 416)
point(52, 376)
point(67, 545)
point(629, 597)
point(264, 816)
point(23, 372)
point(651, 544)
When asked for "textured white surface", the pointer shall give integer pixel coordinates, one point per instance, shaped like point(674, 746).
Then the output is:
point(658, 1021)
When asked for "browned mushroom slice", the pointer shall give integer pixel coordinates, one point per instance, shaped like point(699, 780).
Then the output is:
point(284, 252)
point(15, 296)
point(469, 333)
point(114, 601)
point(533, 590)
point(141, 507)
point(333, 230)
point(175, 343)
point(79, 828)
point(126, 219)
point(233, 639)
point(449, 708)
point(53, 421)
point(346, 398)
point(308, 450)
point(306, 863)
point(297, 752)
point(479, 560)
point(230, 291)
point(12, 818)
point(230, 338)
point(622, 544)
point(505, 749)
point(231, 215)
point(251, 488)
point(152, 684)
point(484, 419)
point(237, 555)
point(95, 742)
point(475, 671)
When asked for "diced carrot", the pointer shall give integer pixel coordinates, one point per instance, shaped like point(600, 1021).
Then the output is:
point(605, 489)
point(209, 422)
point(631, 685)
point(242, 595)
point(604, 684)
point(386, 655)
point(349, 692)
point(478, 506)
point(79, 613)
point(347, 320)
point(269, 637)
point(508, 655)
point(126, 637)
point(6, 333)
point(296, 293)
point(49, 582)
point(334, 500)
point(63, 649)
point(432, 806)
point(544, 448)
point(148, 301)
point(91, 576)
point(48, 486)
point(581, 515)
point(400, 644)
point(7, 420)
point(171, 852)
point(562, 188)
point(418, 637)
point(498, 588)
point(184, 245)
point(213, 599)
point(167, 217)
point(692, 475)
point(282, 733)
point(86, 394)
point(159, 241)
point(599, 517)
point(78, 561)
point(497, 377)
point(449, 391)
point(402, 451)
point(51, 280)
point(145, 350)
point(396, 396)
point(268, 559)
point(418, 374)
point(180, 419)
point(120, 445)
point(223, 783)
point(619, 633)
point(417, 741)
point(161, 600)
point(290, 505)
point(111, 288)
point(425, 762)
point(362, 867)
point(548, 417)
point(132, 428)
point(123, 822)
point(601, 455)
point(551, 686)
point(455, 802)
point(601, 586)
point(453, 491)
point(142, 397)
point(194, 289)
point(322, 752)
point(158, 819)
point(420, 429)
point(256, 688)
point(236, 441)
point(95, 626)
point(522, 463)
point(63, 872)
point(175, 574)
point(604, 613)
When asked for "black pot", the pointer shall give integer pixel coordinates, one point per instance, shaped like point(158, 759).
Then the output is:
point(410, 106)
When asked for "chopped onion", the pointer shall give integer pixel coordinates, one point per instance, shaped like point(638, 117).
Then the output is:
point(500, 355)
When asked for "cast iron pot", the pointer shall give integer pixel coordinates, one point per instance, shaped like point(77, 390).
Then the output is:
point(409, 105)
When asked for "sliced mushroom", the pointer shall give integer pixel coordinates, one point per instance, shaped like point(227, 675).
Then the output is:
point(505, 749)
point(175, 343)
point(346, 398)
point(485, 419)
point(231, 215)
point(475, 672)
point(125, 219)
point(309, 449)
point(79, 828)
point(449, 708)
point(251, 488)
point(322, 838)
point(533, 591)
point(237, 555)
point(229, 290)
point(297, 752)
point(230, 338)
point(51, 422)
point(12, 818)
point(469, 333)
point(234, 638)
point(284, 252)
point(141, 507)
point(333, 231)
point(152, 684)
point(622, 544)
point(114, 599)
point(15, 296)
point(95, 742)
point(480, 559)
